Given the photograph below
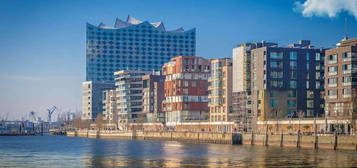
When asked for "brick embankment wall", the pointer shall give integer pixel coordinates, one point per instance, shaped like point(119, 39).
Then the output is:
point(197, 137)
point(343, 142)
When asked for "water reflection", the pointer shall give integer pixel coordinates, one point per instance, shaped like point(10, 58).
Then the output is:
point(82, 152)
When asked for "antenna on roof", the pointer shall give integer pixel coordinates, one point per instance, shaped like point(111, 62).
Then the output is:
point(346, 29)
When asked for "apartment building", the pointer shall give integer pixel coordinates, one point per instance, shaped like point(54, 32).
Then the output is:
point(109, 105)
point(153, 95)
point(186, 94)
point(241, 96)
point(220, 91)
point(129, 86)
point(341, 85)
point(287, 82)
point(92, 95)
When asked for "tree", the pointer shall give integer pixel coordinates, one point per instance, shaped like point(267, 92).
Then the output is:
point(99, 121)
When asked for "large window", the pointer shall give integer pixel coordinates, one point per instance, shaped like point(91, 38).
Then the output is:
point(293, 55)
point(347, 80)
point(276, 55)
point(332, 70)
point(293, 64)
point(276, 83)
point(292, 84)
point(291, 103)
point(291, 93)
point(332, 82)
point(347, 56)
point(332, 94)
point(276, 64)
point(276, 74)
point(332, 59)
point(273, 103)
point(347, 92)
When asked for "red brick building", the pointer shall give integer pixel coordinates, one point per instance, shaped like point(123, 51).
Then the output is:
point(186, 89)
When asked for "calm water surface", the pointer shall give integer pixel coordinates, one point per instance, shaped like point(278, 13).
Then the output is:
point(62, 151)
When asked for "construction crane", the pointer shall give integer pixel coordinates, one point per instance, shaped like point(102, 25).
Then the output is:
point(50, 111)
point(33, 117)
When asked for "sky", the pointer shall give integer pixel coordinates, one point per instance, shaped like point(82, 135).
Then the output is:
point(42, 43)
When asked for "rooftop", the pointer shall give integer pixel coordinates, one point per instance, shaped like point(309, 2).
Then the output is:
point(131, 21)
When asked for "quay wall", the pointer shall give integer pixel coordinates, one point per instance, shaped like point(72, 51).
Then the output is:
point(196, 137)
point(344, 142)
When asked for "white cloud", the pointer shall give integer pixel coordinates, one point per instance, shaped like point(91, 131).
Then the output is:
point(330, 8)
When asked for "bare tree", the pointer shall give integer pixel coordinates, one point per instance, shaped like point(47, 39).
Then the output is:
point(99, 121)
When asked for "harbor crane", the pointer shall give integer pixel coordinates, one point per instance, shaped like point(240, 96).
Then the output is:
point(50, 111)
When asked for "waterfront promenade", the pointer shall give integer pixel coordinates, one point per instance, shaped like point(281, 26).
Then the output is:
point(321, 141)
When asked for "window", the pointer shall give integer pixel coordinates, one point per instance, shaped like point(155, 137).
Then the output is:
point(346, 92)
point(310, 94)
point(185, 83)
point(276, 64)
point(347, 80)
point(307, 56)
point(332, 59)
point(291, 93)
point(291, 103)
point(347, 56)
point(273, 103)
point(293, 55)
point(293, 74)
point(194, 84)
point(310, 103)
point(292, 84)
point(276, 55)
point(332, 94)
point(293, 64)
point(277, 84)
point(276, 74)
point(317, 57)
point(332, 70)
point(346, 68)
point(332, 82)
point(273, 94)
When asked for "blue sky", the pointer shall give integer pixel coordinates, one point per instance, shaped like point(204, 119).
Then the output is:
point(42, 43)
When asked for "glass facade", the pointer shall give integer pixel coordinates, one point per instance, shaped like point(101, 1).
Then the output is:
point(133, 45)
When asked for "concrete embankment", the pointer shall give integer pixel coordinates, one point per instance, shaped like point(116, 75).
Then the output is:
point(345, 142)
point(196, 137)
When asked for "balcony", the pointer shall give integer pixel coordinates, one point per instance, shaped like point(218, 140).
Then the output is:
point(347, 83)
point(332, 73)
point(346, 96)
point(332, 97)
point(334, 61)
point(332, 85)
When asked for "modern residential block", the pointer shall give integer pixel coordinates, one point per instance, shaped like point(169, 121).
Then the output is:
point(92, 95)
point(241, 96)
point(287, 81)
point(129, 86)
point(220, 91)
point(109, 105)
point(186, 94)
point(341, 85)
point(153, 95)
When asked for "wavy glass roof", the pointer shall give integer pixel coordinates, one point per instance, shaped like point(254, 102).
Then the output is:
point(131, 21)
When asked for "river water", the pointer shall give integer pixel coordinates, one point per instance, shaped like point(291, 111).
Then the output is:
point(62, 151)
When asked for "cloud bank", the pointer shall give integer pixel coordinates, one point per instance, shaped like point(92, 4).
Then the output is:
point(330, 8)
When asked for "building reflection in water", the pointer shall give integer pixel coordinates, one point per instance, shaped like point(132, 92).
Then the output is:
point(121, 153)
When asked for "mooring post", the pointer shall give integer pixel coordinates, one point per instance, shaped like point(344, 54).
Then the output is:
point(335, 141)
point(298, 140)
point(282, 138)
point(266, 136)
point(252, 138)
